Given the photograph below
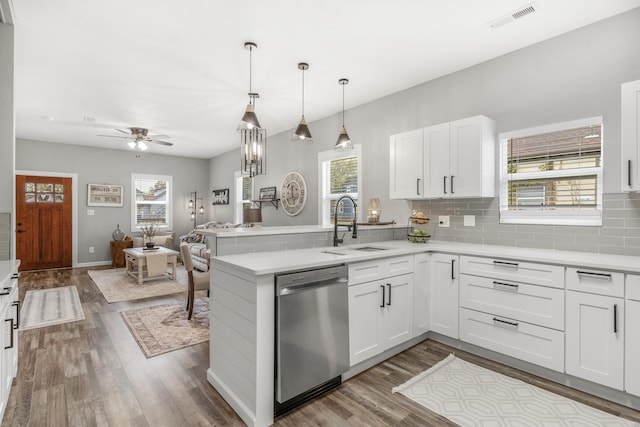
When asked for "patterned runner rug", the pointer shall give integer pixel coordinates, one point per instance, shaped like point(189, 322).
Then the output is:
point(116, 285)
point(470, 395)
point(46, 307)
point(164, 328)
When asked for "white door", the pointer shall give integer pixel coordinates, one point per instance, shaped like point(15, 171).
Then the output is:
point(405, 165)
point(632, 348)
point(365, 304)
point(443, 283)
point(594, 337)
point(630, 136)
point(436, 160)
point(420, 294)
point(465, 173)
point(396, 322)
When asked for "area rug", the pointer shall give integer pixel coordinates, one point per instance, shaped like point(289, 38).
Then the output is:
point(46, 307)
point(470, 395)
point(116, 285)
point(164, 328)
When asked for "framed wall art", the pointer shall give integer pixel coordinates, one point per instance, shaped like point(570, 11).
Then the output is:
point(220, 197)
point(267, 193)
point(104, 195)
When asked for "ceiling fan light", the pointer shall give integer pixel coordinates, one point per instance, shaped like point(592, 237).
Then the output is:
point(142, 146)
point(302, 133)
point(344, 142)
point(132, 144)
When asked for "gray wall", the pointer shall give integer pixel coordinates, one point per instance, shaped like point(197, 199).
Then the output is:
point(575, 75)
point(7, 133)
point(103, 166)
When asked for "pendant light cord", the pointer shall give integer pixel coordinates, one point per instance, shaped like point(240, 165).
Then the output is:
point(343, 105)
point(250, 73)
point(303, 92)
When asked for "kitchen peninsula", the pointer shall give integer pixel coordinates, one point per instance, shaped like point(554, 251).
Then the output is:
point(242, 311)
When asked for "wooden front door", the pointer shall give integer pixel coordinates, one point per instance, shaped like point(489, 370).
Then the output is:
point(43, 222)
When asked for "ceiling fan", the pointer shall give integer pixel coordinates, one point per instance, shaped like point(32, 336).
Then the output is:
point(140, 137)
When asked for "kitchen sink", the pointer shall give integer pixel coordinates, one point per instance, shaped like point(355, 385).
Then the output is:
point(336, 252)
point(369, 248)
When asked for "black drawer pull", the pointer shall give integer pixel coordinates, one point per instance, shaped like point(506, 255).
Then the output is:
point(513, 324)
point(506, 264)
point(15, 276)
point(6, 291)
point(511, 286)
point(594, 275)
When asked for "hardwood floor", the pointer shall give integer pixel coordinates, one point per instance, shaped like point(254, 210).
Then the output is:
point(92, 373)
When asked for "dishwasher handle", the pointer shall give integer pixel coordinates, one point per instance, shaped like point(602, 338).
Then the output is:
point(294, 289)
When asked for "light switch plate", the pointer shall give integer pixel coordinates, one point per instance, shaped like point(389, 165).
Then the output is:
point(470, 220)
point(443, 221)
point(90, 212)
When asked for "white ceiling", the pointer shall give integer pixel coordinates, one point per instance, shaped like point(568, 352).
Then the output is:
point(180, 69)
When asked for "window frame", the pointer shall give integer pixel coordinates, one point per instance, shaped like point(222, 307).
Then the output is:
point(239, 201)
point(579, 216)
point(135, 227)
point(329, 155)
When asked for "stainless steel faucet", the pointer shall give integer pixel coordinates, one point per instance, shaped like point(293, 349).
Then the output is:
point(354, 224)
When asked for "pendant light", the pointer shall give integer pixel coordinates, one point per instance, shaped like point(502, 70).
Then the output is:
point(253, 138)
point(344, 142)
point(302, 133)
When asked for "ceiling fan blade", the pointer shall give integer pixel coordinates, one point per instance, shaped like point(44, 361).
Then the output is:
point(127, 132)
point(158, 136)
point(118, 136)
point(157, 141)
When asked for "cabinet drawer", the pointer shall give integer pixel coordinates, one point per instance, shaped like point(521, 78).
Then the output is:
point(633, 287)
point(534, 304)
point(525, 272)
point(368, 271)
point(599, 282)
point(531, 343)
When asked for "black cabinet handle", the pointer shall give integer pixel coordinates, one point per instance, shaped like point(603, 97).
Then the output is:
point(511, 286)
point(451, 185)
point(6, 291)
point(445, 184)
point(629, 173)
point(389, 297)
point(15, 276)
point(453, 276)
point(615, 318)
point(514, 324)
point(595, 275)
point(11, 340)
point(17, 305)
point(418, 186)
point(506, 264)
point(382, 305)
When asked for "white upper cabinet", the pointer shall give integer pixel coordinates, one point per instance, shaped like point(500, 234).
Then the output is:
point(630, 136)
point(455, 159)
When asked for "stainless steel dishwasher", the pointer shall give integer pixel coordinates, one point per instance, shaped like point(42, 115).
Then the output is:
point(312, 334)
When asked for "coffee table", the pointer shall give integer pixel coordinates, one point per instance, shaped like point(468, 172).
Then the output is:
point(136, 260)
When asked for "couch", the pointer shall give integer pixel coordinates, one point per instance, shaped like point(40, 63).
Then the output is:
point(165, 239)
point(200, 253)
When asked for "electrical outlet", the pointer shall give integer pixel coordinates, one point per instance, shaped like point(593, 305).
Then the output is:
point(470, 220)
point(443, 221)
point(91, 249)
point(90, 212)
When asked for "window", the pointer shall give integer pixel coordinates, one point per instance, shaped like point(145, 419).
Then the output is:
point(339, 174)
point(552, 174)
point(244, 194)
point(151, 197)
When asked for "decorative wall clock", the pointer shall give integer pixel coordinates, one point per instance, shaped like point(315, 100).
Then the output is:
point(294, 193)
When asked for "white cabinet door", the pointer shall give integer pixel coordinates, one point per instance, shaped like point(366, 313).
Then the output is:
point(405, 167)
point(595, 338)
point(630, 136)
point(396, 321)
point(443, 283)
point(632, 348)
point(472, 158)
point(365, 304)
point(437, 154)
point(421, 294)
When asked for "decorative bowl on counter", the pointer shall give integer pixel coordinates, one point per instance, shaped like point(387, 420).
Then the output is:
point(418, 236)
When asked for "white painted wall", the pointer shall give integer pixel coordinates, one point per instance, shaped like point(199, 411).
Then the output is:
point(7, 129)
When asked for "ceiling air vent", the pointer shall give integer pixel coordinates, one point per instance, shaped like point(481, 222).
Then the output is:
point(516, 14)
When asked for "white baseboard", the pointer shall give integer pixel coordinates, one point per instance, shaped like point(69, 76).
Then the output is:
point(92, 264)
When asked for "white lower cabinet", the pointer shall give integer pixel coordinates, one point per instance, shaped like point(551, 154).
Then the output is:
point(532, 343)
point(443, 308)
point(9, 318)
point(632, 335)
point(421, 294)
point(595, 338)
point(380, 316)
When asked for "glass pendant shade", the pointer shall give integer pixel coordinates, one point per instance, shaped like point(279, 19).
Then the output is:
point(142, 146)
point(344, 142)
point(132, 144)
point(249, 119)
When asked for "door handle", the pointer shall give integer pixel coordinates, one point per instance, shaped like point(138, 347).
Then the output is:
point(389, 297)
point(20, 231)
point(445, 184)
point(451, 185)
point(382, 305)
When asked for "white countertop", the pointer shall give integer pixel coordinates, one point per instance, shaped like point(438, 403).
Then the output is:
point(266, 231)
point(260, 263)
